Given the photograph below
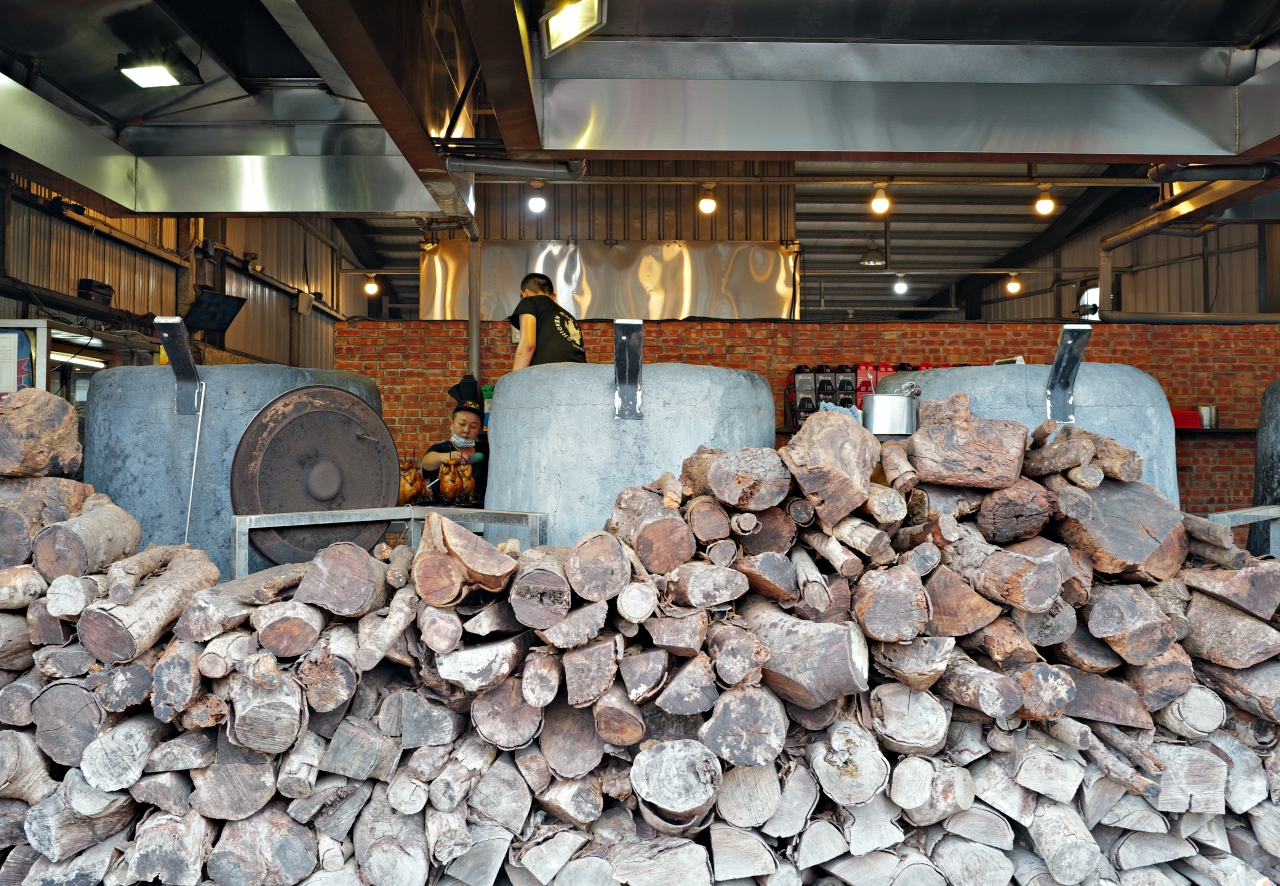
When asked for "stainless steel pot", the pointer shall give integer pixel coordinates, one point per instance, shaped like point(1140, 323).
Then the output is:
point(889, 414)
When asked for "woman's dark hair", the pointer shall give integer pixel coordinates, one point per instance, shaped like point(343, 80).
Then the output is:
point(539, 284)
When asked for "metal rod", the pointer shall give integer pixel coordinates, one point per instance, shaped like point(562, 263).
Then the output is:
point(195, 459)
point(918, 271)
point(462, 101)
point(390, 272)
point(473, 309)
point(1185, 319)
point(907, 181)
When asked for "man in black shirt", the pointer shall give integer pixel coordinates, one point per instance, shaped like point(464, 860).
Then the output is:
point(457, 470)
point(548, 333)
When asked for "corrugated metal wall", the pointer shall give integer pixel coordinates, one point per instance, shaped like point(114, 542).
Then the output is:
point(316, 336)
point(1179, 287)
point(52, 253)
point(297, 257)
point(262, 326)
point(644, 212)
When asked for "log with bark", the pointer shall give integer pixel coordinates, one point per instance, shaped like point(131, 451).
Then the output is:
point(831, 458)
point(38, 436)
point(954, 447)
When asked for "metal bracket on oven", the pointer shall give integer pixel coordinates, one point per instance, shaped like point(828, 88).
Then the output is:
point(187, 390)
point(1060, 393)
point(628, 359)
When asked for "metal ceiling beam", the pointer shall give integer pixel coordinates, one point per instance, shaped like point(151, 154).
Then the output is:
point(294, 23)
point(870, 179)
point(501, 38)
point(350, 230)
point(776, 119)
point(924, 218)
point(386, 50)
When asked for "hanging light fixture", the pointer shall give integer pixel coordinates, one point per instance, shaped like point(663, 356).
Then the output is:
point(1013, 285)
point(1045, 204)
point(873, 257)
point(370, 285)
point(707, 204)
point(901, 286)
point(537, 203)
point(880, 202)
point(569, 23)
point(167, 67)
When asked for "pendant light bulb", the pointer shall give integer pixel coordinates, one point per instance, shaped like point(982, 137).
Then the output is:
point(537, 203)
point(707, 204)
point(880, 203)
point(1013, 285)
point(1045, 204)
point(370, 285)
point(901, 286)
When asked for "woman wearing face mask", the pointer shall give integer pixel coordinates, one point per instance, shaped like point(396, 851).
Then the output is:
point(457, 470)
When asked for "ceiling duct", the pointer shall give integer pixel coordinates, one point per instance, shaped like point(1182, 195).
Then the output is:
point(1213, 172)
point(534, 170)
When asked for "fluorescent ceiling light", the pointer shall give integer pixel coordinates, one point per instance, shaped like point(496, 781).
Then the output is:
point(571, 22)
point(76, 338)
point(76, 361)
point(150, 76)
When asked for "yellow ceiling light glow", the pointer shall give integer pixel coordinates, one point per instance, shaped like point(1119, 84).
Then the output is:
point(370, 285)
point(1013, 285)
point(707, 204)
point(901, 286)
point(880, 203)
point(150, 76)
point(570, 23)
point(1045, 204)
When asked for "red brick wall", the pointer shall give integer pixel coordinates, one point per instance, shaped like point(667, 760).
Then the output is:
point(416, 362)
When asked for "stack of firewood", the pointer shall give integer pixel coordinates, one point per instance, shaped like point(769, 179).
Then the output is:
point(978, 655)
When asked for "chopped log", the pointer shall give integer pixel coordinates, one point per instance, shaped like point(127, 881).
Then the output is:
point(922, 559)
point(749, 479)
point(114, 760)
point(1246, 779)
point(359, 749)
point(407, 791)
point(1114, 460)
point(1194, 780)
point(344, 580)
point(617, 719)
point(170, 791)
point(502, 796)
point(1217, 534)
point(300, 766)
point(691, 689)
point(43, 629)
point(1042, 766)
point(809, 663)
point(569, 741)
point(96, 864)
point(541, 679)
point(67, 719)
point(480, 668)
point(1003, 576)
point(577, 628)
point(679, 779)
point(1226, 636)
point(1074, 565)
point(172, 848)
point(737, 853)
point(590, 670)
point(1055, 625)
point(707, 519)
point(811, 582)
point(871, 826)
point(981, 824)
point(1254, 588)
point(918, 663)
point(24, 774)
point(769, 574)
point(738, 654)
point(702, 585)
point(124, 576)
point(795, 805)
point(941, 531)
point(16, 698)
point(20, 586)
point(1195, 714)
point(897, 467)
point(907, 721)
point(681, 636)
point(268, 719)
point(663, 860)
point(929, 501)
point(61, 662)
point(1003, 643)
point(955, 608)
point(480, 865)
point(1132, 530)
point(534, 767)
point(883, 505)
point(229, 605)
point(1046, 690)
point(1060, 838)
point(440, 629)
point(644, 673)
point(1131, 622)
point(848, 764)
point(800, 510)
point(176, 680)
point(842, 560)
point(267, 849)
point(967, 683)
point(114, 632)
point(540, 593)
point(288, 629)
point(68, 595)
point(1163, 678)
point(1069, 500)
point(598, 568)
point(994, 785)
point(99, 535)
point(1082, 650)
point(58, 831)
point(425, 723)
point(952, 446)
point(747, 727)
point(660, 538)
point(775, 531)
point(1108, 701)
point(28, 506)
point(695, 471)
point(744, 524)
point(891, 604)
point(864, 538)
point(722, 553)
point(750, 796)
point(831, 458)
point(1229, 558)
point(403, 611)
point(504, 717)
point(400, 566)
point(838, 600)
point(1060, 455)
point(333, 854)
point(1086, 476)
point(39, 434)
point(968, 863)
point(1016, 512)
point(327, 672)
point(1255, 689)
point(191, 750)
point(467, 765)
point(226, 653)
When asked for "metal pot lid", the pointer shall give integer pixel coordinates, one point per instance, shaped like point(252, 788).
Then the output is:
point(317, 448)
